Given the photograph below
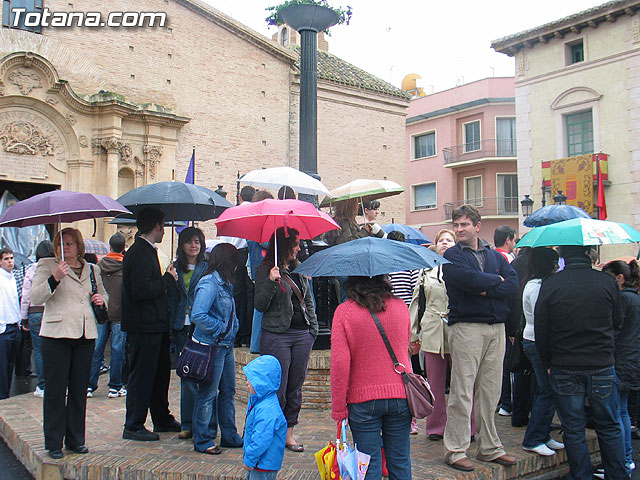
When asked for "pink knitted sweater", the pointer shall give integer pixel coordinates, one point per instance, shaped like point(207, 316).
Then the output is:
point(361, 368)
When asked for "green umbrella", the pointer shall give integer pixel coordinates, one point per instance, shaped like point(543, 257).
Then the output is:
point(580, 231)
point(364, 189)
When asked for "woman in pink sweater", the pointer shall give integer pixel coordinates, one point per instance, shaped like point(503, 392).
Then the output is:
point(364, 386)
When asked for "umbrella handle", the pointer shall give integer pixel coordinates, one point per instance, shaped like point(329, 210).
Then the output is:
point(275, 243)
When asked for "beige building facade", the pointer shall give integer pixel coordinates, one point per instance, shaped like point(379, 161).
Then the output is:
point(105, 110)
point(577, 91)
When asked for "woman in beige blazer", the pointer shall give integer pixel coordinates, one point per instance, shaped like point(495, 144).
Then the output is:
point(68, 334)
point(429, 332)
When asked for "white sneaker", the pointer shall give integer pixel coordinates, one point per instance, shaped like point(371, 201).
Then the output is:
point(504, 413)
point(89, 392)
point(541, 449)
point(599, 475)
point(113, 393)
point(122, 392)
point(553, 445)
point(39, 392)
point(631, 466)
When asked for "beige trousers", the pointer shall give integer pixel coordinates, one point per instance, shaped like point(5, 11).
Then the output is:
point(477, 353)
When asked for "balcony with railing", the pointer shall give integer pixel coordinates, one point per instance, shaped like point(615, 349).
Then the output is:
point(478, 151)
point(487, 206)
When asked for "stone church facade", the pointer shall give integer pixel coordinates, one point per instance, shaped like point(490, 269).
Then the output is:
point(105, 110)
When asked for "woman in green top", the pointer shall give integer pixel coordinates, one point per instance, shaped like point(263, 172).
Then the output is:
point(191, 265)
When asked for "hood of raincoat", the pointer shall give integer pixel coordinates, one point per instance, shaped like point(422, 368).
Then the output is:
point(264, 373)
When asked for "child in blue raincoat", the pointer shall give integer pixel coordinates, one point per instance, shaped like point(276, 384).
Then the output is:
point(265, 428)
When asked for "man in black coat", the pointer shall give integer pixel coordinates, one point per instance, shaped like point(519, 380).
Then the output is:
point(145, 318)
point(577, 314)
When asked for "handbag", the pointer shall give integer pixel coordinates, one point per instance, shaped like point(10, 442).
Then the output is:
point(195, 361)
point(100, 311)
point(517, 361)
point(419, 395)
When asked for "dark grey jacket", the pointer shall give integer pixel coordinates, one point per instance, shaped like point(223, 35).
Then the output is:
point(276, 304)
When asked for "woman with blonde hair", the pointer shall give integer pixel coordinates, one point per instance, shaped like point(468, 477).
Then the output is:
point(68, 332)
point(429, 310)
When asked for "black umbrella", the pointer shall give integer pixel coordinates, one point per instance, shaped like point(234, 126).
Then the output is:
point(178, 201)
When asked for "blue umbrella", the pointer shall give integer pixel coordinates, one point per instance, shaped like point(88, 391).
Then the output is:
point(554, 214)
point(411, 235)
point(368, 257)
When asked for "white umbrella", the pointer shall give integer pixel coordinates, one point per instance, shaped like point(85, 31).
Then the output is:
point(364, 189)
point(277, 177)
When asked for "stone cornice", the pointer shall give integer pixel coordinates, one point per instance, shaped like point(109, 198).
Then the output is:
point(573, 24)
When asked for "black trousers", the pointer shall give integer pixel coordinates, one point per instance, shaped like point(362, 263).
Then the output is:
point(243, 297)
point(23, 358)
point(148, 386)
point(9, 342)
point(67, 366)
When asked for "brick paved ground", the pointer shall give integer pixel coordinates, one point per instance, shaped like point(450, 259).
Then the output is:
point(111, 457)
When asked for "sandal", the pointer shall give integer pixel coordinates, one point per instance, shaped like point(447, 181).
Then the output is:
point(215, 450)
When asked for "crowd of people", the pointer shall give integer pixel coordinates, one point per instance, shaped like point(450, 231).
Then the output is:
point(457, 323)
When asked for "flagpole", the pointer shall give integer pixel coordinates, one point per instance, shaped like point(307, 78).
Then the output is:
point(598, 184)
point(193, 157)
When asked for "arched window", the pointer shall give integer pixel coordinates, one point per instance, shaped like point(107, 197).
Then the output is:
point(284, 39)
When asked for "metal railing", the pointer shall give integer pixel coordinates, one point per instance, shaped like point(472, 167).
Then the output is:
point(487, 206)
point(479, 149)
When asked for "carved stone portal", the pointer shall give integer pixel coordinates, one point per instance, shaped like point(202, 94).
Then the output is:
point(24, 138)
point(153, 154)
point(25, 80)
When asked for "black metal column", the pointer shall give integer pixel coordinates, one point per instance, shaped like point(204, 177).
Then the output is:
point(308, 149)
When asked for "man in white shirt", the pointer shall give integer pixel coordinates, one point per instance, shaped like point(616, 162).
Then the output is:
point(9, 321)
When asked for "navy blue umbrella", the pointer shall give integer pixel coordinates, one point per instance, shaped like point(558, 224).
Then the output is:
point(368, 257)
point(554, 214)
point(411, 235)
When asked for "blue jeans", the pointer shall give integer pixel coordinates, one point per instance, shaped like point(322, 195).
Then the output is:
point(256, 328)
point(35, 321)
point(392, 418)
point(224, 379)
point(258, 475)
point(118, 341)
point(544, 406)
point(625, 424)
point(600, 388)
point(188, 389)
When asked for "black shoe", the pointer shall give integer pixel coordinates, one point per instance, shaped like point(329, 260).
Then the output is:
point(434, 437)
point(56, 454)
point(172, 426)
point(78, 449)
point(143, 435)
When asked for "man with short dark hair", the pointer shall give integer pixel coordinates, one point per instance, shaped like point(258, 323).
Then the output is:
point(9, 321)
point(504, 239)
point(577, 315)
point(478, 280)
point(145, 319)
point(111, 272)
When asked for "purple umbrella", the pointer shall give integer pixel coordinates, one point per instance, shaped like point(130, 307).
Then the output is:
point(60, 206)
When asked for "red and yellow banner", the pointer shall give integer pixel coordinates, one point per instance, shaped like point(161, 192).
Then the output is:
point(604, 161)
point(573, 176)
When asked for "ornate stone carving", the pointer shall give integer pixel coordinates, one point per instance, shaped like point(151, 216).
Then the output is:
point(24, 138)
point(520, 63)
point(635, 29)
point(71, 118)
point(52, 101)
point(126, 153)
point(25, 80)
point(153, 154)
point(82, 140)
point(111, 143)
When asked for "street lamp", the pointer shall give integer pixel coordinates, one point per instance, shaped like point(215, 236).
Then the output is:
point(559, 198)
point(221, 192)
point(527, 206)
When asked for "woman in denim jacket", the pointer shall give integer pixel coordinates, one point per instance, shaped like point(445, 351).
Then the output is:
point(191, 266)
point(213, 309)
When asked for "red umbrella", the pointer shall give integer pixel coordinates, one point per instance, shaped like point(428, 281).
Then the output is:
point(257, 221)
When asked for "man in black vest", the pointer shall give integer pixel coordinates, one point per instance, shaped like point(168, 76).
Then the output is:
point(145, 318)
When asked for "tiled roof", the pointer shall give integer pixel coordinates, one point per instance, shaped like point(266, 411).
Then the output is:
point(334, 69)
point(587, 18)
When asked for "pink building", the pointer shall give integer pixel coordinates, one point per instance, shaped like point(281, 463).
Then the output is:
point(461, 148)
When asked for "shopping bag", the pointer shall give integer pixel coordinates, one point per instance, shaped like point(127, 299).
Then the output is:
point(327, 464)
point(352, 463)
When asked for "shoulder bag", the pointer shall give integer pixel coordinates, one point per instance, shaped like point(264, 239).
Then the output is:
point(100, 311)
point(195, 361)
point(419, 395)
